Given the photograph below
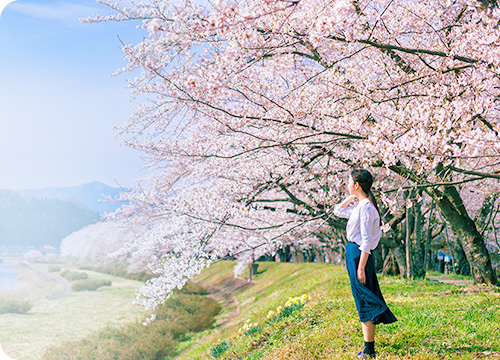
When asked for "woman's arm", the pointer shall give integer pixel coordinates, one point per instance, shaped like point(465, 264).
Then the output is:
point(361, 267)
point(343, 209)
point(345, 203)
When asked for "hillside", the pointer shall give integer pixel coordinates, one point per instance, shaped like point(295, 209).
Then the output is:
point(42, 217)
point(95, 195)
point(26, 221)
point(436, 320)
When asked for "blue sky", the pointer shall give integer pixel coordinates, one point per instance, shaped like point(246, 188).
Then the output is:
point(58, 103)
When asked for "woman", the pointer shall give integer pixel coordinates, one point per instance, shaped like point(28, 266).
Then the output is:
point(363, 235)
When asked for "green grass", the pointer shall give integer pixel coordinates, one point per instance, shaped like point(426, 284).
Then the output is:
point(436, 320)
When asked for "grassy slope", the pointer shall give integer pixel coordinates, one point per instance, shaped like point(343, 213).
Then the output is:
point(71, 317)
point(436, 320)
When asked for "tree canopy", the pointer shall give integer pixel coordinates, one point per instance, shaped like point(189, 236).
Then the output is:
point(257, 109)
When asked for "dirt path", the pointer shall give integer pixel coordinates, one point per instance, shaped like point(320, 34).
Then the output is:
point(223, 292)
point(37, 285)
point(64, 285)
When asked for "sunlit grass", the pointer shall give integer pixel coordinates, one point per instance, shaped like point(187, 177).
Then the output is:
point(436, 320)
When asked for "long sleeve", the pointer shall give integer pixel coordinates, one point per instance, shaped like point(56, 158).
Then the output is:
point(366, 230)
point(343, 212)
point(369, 228)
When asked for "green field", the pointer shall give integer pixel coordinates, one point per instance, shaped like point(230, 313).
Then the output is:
point(60, 314)
point(436, 320)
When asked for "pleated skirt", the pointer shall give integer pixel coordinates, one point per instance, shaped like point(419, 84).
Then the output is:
point(369, 300)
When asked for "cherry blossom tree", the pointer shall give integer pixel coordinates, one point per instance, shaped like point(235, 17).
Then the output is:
point(257, 109)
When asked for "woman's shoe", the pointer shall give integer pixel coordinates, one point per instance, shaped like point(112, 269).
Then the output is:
point(363, 355)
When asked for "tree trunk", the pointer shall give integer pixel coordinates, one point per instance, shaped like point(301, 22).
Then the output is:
point(390, 265)
point(418, 251)
point(298, 255)
point(464, 228)
point(393, 240)
point(320, 254)
point(409, 227)
point(400, 257)
point(428, 259)
point(468, 237)
point(462, 265)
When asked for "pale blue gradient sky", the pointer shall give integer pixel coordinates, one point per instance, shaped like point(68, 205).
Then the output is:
point(58, 103)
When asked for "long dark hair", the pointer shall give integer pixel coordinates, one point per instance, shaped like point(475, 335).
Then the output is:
point(365, 180)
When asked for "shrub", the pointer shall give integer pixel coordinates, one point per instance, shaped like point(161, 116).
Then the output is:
point(120, 270)
point(157, 341)
point(192, 288)
point(74, 275)
point(89, 284)
point(54, 268)
point(14, 306)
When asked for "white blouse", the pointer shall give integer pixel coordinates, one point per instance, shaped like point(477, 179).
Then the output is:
point(363, 227)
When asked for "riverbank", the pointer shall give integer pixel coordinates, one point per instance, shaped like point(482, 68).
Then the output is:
point(35, 284)
point(60, 314)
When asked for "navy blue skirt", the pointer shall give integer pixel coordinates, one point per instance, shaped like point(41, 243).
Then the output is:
point(369, 300)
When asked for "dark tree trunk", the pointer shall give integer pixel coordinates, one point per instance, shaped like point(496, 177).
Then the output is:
point(462, 265)
point(393, 239)
point(298, 256)
point(468, 237)
point(464, 228)
point(390, 265)
point(418, 251)
point(428, 258)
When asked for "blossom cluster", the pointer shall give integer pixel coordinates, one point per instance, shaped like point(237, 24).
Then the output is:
point(255, 110)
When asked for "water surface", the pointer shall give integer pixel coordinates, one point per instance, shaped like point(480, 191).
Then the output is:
point(8, 278)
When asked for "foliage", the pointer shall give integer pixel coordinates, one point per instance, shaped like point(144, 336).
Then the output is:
point(74, 275)
point(89, 284)
point(291, 305)
point(14, 306)
point(220, 348)
point(121, 271)
point(257, 109)
point(176, 319)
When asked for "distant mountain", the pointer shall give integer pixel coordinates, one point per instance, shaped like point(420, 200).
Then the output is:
point(95, 195)
point(46, 216)
point(30, 221)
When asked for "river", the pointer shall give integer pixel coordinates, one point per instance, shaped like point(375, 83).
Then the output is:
point(8, 278)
